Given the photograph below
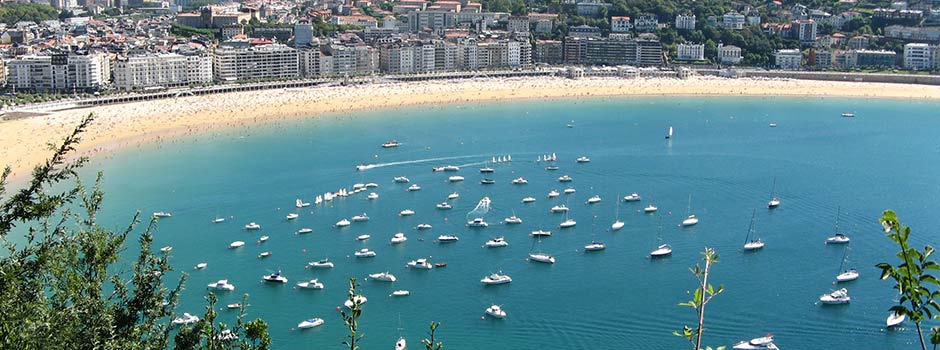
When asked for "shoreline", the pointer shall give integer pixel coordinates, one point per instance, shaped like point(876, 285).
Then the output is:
point(123, 126)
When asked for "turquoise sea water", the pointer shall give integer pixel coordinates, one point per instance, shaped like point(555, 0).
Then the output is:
point(723, 154)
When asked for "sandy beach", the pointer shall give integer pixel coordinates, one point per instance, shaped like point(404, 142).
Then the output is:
point(134, 124)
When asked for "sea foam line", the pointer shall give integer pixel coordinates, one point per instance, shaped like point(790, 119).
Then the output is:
point(362, 167)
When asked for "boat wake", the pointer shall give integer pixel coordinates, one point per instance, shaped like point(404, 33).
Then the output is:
point(363, 167)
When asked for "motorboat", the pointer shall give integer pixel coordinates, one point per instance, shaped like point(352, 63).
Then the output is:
point(292, 216)
point(234, 306)
point(373, 195)
point(542, 257)
point(520, 181)
point(486, 170)
point(372, 185)
point(401, 179)
point(564, 178)
point(360, 218)
point(632, 197)
point(444, 206)
point(275, 277)
point(477, 222)
point(840, 296)
point(440, 264)
point(561, 208)
point(838, 239)
point(166, 249)
point(551, 167)
point(383, 276)
point(414, 187)
point(553, 194)
point(528, 200)
point(252, 226)
point(265, 238)
point(447, 238)
point(437, 168)
point(455, 178)
point(342, 223)
point(400, 293)
point(419, 264)
point(300, 204)
point(569, 190)
point(363, 237)
point(454, 195)
point(236, 244)
point(848, 115)
point(364, 253)
point(391, 144)
point(513, 220)
point(567, 223)
point(662, 250)
point(496, 311)
point(763, 343)
point(650, 209)
point(218, 220)
point(496, 278)
point(583, 159)
point(185, 319)
point(311, 284)
point(595, 246)
point(540, 233)
point(406, 212)
point(594, 199)
point(497, 242)
point(399, 238)
point(313, 322)
point(487, 182)
point(894, 319)
point(360, 299)
point(162, 214)
point(847, 275)
point(304, 230)
point(321, 264)
point(773, 125)
point(690, 220)
point(200, 266)
point(423, 227)
point(264, 255)
point(451, 168)
point(222, 285)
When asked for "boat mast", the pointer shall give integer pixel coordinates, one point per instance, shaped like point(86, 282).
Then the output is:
point(845, 254)
point(688, 210)
point(617, 218)
point(750, 227)
point(773, 188)
point(838, 213)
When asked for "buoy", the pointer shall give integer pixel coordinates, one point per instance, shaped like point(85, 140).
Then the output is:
point(483, 317)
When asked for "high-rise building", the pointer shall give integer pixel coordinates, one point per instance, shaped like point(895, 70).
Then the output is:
point(60, 72)
point(262, 62)
point(917, 56)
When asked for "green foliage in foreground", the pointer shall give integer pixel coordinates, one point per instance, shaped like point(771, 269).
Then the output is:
point(703, 294)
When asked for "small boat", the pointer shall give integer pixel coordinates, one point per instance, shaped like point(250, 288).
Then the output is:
point(360, 218)
point(363, 237)
point(364, 253)
point(423, 227)
point(478, 222)
point(551, 167)
point(569, 190)
point(894, 319)
point(540, 233)
point(264, 255)
point(447, 238)
point(690, 220)
point(542, 257)
point(568, 223)
point(561, 208)
point(848, 115)
point(292, 216)
point(419, 264)
point(360, 299)
point(321, 264)
point(236, 244)
point(565, 178)
point(401, 179)
point(617, 223)
point(414, 187)
point(583, 159)
point(373, 195)
point(313, 322)
point(454, 195)
point(846, 275)
point(444, 206)
point(311, 284)
point(200, 266)
point(162, 214)
point(218, 220)
point(774, 201)
point(437, 168)
point(252, 226)
point(186, 319)
point(553, 194)
point(166, 249)
point(497, 242)
point(455, 178)
point(513, 220)
point(391, 144)
point(234, 306)
point(400, 293)
point(632, 197)
point(495, 311)
point(486, 170)
point(528, 200)
point(662, 250)
point(487, 182)
point(669, 134)
point(773, 125)
point(342, 223)
point(372, 185)
point(399, 238)
point(265, 238)
point(496, 278)
point(650, 209)
point(762, 343)
point(840, 296)
point(594, 199)
point(304, 230)
point(838, 238)
point(275, 277)
point(440, 264)
point(520, 181)
point(406, 212)
point(383, 276)
point(752, 244)
point(221, 285)
point(451, 168)
point(595, 246)
point(318, 200)
point(300, 204)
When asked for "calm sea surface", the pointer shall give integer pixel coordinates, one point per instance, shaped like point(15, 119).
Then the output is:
point(723, 154)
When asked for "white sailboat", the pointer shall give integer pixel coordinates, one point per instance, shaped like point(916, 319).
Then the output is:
point(749, 244)
point(691, 220)
point(540, 256)
point(617, 223)
point(663, 249)
point(774, 201)
point(594, 245)
point(669, 134)
point(401, 344)
point(838, 238)
point(849, 274)
point(894, 319)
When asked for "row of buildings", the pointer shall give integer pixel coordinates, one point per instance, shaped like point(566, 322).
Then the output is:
point(916, 56)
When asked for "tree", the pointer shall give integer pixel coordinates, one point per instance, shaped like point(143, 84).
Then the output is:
point(430, 344)
point(703, 294)
point(206, 334)
point(352, 318)
point(913, 278)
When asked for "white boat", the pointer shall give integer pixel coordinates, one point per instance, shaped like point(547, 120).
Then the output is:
point(454, 195)
point(894, 319)
point(840, 296)
point(486, 170)
point(496, 278)
point(542, 257)
point(162, 214)
point(419, 264)
point(200, 266)
point(275, 277)
point(513, 220)
point(632, 197)
point(447, 238)
point(570, 190)
point(360, 218)
point(567, 223)
point(414, 187)
point(401, 344)
point(364, 253)
point(595, 246)
point(302, 231)
point(552, 167)
point(166, 249)
point(496, 311)
point(186, 319)
point(444, 206)
point(691, 219)
point(399, 238)
point(594, 199)
point(846, 275)
point(321, 264)
point(292, 216)
point(252, 226)
point(234, 306)
point(520, 181)
point(848, 115)
point(564, 178)
point(497, 242)
point(401, 179)
point(363, 237)
point(218, 220)
point(311, 284)
point(774, 201)
point(528, 200)
point(222, 285)
point(373, 195)
point(561, 208)
point(313, 322)
point(358, 187)
point(383, 276)
point(423, 227)
point(662, 250)
point(487, 181)
point(265, 238)
point(391, 144)
point(583, 159)
point(650, 209)
point(400, 293)
point(455, 178)
point(236, 244)
point(762, 343)
point(838, 238)
point(451, 168)
point(264, 255)
point(318, 200)
point(360, 299)
point(477, 222)
point(406, 212)
point(540, 233)
point(553, 194)
point(300, 204)
point(669, 134)
point(617, 225)
point(773, 125)
point(372, 185)
point(342, 223)
point(752, 244)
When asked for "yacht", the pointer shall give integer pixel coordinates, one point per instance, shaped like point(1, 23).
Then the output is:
point(360, 218)
point(419, 264)
point(399, 238)
point(234, 306)
point(594, 199)
point(838, 239)
point(222, 285)
point(342, 223)
point(847, 275)
point(496, 278)
point(551, 167)
point(567, 223)
point(391, 144)
point(542, 257)
point(486, 170)
point(632, 197)
point(444, 206)
point(451, 168)
point(166, 249)
point(553, 194)
point(373, 195)
point(218, 220)
point(236, 244)
point(616, 225)
point(520, 181)
point(848, 115)
point(300, 204)
point(752, 244)
point(304, 230)
point(561, 208)
point(569, 190)
point(774, 201)
point(540, 233)
point(321, 264)
point(487, 182)
point(763, 343)
point(383, 276)
point(447, 238)
point(162, 214)
point(400, 293)
point(252, 226)
point(363, 237)
point(513, 220)
point(313, 322)
point(454, 195)
point(894, 319)
point(564, 178)
point(528, 200)
point(595, 246)
point(478, 222)
point(311, 284)
point(275, 277)
point(497, 242)
point(840, 296)
point(401, 179)
point(423, 227)
point(292, 216)
point(406, 212)
point(360, 299)
point(264, 255)
point(583, 159)
point(200, 266)
point(496, 311)
point(650, 209)
point(364, 253)
point(414, 187)
point(186, 319)
point(265, 238)
point(455, 178)
point(662, 250)
point(690, 220)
